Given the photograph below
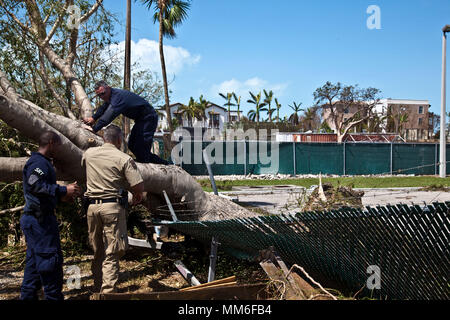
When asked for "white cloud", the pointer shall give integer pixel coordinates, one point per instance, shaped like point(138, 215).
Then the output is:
point(146, 53)
point(242, 88)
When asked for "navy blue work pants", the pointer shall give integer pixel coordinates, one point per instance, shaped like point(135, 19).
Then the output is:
point(44, 260)
point(141, 140)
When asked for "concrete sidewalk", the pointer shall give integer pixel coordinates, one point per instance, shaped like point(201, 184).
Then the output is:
point(287, 199)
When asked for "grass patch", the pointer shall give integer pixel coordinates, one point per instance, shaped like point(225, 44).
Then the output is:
point(354, 182)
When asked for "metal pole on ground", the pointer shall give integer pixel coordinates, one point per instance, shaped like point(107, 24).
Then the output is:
point(211, 176)
point(213, 260)
point(169, 204)
point(443, 138)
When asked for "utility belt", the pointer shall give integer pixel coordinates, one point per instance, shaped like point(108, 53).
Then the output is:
point(100, 201)
point(122, 199)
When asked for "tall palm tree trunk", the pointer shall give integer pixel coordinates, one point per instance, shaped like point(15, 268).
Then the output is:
point(163, 67)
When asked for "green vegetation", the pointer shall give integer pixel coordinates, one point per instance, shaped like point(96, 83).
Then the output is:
point(354, 182)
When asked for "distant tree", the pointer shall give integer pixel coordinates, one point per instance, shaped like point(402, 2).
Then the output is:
point(169, 14)
point(269, 113)
point(268, 101)
point(228, 104)
point(335, 98)
point(294, 117)
point(146, 84)
point(375, 124)
point(259, 107)
point(238, 105)
point(311, 119)
point(190, 110)
point(397, 117)
point(202, 105)
point(278, 105)
point(325, 128)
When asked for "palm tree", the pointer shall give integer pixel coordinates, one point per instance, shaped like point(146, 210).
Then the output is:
point(375, 123)
point(169, 14)
point(310, 118)
point(201, 106)
point(238, 105)
point(402, 119)
point(268, 100)
point(270, 112)
point(190, 110)
point(227, 97)
point(278, 109)
point(256, 100)
point(294, 118)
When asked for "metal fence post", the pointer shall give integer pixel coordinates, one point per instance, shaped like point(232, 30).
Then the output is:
point(182, 151)
point(435, 159)
point(245, 158)
point(391, 165)
point(294, 158)
point(344, 159)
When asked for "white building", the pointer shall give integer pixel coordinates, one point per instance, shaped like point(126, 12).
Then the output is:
point(216, 117)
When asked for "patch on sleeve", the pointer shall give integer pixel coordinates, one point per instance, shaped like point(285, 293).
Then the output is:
point(32, 179)
point(39, 172)
point(35, 175)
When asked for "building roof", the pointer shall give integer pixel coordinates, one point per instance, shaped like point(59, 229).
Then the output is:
point(404, 101)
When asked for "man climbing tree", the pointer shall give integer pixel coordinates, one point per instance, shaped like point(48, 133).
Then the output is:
point(131, 105)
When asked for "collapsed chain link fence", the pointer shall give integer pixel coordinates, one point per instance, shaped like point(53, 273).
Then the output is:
point(409, 245)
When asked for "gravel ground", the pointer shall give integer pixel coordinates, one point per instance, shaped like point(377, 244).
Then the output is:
point(288, 176)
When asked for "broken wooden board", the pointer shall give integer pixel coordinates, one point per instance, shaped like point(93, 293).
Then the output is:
point(225, 281)
point(292, 291)
point(295, 287)
point(240, 292)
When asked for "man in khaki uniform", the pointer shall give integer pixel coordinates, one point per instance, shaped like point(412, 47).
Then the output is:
point(109, 170)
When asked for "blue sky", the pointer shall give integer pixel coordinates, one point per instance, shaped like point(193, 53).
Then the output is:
point(294, 47)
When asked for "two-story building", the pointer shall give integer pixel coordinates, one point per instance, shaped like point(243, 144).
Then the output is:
point(410, 118)
point(216, 117)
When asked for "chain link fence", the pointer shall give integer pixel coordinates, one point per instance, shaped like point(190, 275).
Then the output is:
point(409, 245)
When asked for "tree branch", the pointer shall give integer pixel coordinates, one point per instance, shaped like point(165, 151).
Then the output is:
point(58, 98)
point(55, 25)
point(12, 210)
point(37, 24)
point(88, 14)
point(74, 130)
point(16, 20)
point(16, 115)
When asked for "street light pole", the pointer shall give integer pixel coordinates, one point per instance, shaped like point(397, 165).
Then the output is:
point(443, 136)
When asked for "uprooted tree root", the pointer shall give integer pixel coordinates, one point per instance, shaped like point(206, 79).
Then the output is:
point(336, 197)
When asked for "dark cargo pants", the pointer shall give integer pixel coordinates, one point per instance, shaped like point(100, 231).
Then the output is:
point(44, 259)
point(141, 140)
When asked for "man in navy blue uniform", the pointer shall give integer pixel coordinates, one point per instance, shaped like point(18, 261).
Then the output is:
point(43, 263)
point(131, 105)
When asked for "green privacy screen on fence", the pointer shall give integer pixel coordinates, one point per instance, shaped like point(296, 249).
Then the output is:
point(242, 158)
point(408, 244)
